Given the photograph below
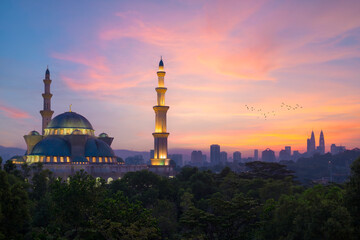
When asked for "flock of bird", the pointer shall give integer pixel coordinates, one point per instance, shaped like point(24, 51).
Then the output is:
point(266, 114)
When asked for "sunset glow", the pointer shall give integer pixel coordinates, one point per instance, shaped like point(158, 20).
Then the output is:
point(218, 58)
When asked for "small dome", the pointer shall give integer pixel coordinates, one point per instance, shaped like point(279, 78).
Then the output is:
point(97, 148)
point(76, 132)
point(103, 135)
point(70, 120)
point(34, 133)
point(47, 71)
point(52, 146)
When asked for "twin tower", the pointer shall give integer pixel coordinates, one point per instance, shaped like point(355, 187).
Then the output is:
point(160, 134)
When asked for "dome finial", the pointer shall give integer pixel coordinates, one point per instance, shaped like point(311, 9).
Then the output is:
point(161, 64)
point(70, 107)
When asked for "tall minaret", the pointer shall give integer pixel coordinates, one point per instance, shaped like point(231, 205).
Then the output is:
point(322, 143)
point(46, 113)
point(160, 134)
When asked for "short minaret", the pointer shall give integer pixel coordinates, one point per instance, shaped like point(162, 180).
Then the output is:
point(47, 112)
point(160, 134)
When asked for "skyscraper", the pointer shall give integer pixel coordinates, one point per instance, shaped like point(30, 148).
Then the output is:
point(46, 113)
point(322, 143)
point(214, 154)
point(268, 155)
point(311, 146)
point(288, 150)
point(160, 134)
point(223, 157)
point(177, 158)
point(256, 155)
point(196, 158)
point(237, 157)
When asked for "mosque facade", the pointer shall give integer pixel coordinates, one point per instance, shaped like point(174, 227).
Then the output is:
point(68, 142)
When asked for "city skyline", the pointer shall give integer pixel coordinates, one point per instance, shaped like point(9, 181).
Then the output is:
point(103, 62)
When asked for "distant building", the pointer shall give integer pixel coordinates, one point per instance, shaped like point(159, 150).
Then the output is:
point(321, 147)
point(288, 150)
point(311, 144)
point(284, 155)
point(215, 154)
point(296, 155)
point(178, 159)
point(204, 158)
point(337, 149)
point(268, 156)
point(236, 157)
point(256, 155)
point(196, 158)
point(223, 157)
point(151, 154)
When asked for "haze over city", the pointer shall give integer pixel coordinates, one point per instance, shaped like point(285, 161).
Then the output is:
point(224, 63)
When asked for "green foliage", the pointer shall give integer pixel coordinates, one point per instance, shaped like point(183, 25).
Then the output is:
point(317, 213)
point(262, 203)
point(14, 207)
point(353, 194)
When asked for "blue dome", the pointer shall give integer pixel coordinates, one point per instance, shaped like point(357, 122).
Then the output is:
point(97, 148)
point(52, 146)
point(70, 120)
point(34, 133)
point(103, 135)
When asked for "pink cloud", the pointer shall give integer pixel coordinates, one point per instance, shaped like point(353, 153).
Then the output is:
point(13, 113)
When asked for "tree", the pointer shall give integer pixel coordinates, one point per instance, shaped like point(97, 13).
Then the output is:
point(267, 170)
point(353, 194)
point(14, 207)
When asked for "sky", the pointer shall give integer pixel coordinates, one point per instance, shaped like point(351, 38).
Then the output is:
point(221, 58)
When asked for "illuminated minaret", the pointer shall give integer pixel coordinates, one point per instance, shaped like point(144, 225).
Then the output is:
point(46, 113)
point(160, 134)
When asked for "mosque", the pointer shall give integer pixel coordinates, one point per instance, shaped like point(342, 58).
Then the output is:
point(68, 142)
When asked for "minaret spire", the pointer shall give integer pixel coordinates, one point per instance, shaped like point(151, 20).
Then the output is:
point(46, 113)
point(160, 134)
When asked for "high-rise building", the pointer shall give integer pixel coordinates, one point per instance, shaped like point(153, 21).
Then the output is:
point(46, 113)
point(285, 154)
point(256, 155)
point(311, 146)
point(160, 134)
point(223, 157)
point(268, 156)
point(196, 158)
point(204, 160)
point(215, 154)
point(337, 149)
point(296, 155)
point(237, 157)
point(177, 158)
point(322, 143)
point(288, 150)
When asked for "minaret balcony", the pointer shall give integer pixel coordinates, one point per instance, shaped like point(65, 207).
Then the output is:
point(47, 95)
